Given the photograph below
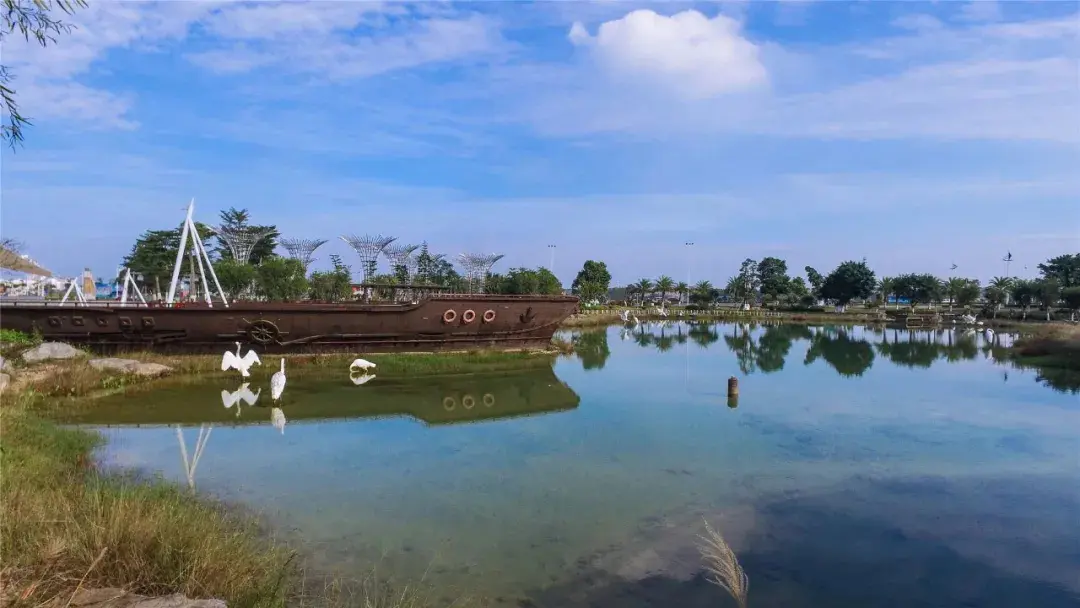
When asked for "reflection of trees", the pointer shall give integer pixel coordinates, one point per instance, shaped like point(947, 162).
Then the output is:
point(742, 344)
point(664, 342)
point(704, 335)
point(922, 348)
point(1063, 380)
point(849, 357)
point(775, 344)
point(591, 348)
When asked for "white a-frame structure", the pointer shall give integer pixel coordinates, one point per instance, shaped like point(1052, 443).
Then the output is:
point(190, 233)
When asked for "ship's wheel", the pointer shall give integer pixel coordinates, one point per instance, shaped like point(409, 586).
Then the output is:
point(263, 332)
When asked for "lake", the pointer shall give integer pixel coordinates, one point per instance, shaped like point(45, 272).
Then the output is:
point(859, 467)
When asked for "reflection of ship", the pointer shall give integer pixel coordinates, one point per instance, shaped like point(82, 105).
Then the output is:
point(434, 401)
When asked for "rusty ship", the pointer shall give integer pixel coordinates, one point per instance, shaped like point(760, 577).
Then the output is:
point(437, 322)
point(413, 318)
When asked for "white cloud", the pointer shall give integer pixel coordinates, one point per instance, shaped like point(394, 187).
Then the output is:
point(1000, 81)
point(696, 56)
point(342, 40)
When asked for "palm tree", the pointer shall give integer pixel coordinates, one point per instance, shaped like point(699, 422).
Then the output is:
point(684, 291)
point(952, 289)
point(643, 288)
point(1004, 284)
point(664, 285)
point(703, 290)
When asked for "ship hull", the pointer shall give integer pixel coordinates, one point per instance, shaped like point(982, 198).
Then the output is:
point(437, 323)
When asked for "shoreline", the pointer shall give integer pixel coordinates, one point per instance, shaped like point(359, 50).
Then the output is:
point(155, 537)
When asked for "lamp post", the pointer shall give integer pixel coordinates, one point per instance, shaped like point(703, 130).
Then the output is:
point(551, 263)
point(689, 264)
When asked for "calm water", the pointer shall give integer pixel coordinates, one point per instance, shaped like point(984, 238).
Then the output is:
point(859, 468)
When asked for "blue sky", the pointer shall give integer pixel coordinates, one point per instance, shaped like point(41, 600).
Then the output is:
point(915, 134)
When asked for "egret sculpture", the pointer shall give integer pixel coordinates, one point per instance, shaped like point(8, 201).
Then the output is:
point(277, 382)
point(360, 365)
point(232, 360)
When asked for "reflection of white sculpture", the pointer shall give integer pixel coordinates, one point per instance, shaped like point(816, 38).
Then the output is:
point(241, 394)
point(361, 379)
point(277, 418)
point(200, 447)
point(360, 365)
point(277, 382)
point(231, 360)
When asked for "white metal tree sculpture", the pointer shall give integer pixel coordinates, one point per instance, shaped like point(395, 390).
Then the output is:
point(241, 241)
point(477, 267)
point(191, 233)
point(400, 257)
point(302, 249)
point(368, 247)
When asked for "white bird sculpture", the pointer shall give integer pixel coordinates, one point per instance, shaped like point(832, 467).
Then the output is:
point(624, 316)
point(360, 365)
point(361, 379)
point(277, 382)
point(636, 320)
point(232, 360)
point(241, 394)
point(277, 418)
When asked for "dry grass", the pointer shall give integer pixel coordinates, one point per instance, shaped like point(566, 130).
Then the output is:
point(66, 525)
point(1052, 345)
point(373, 591)
point(596, 320)
point(723, 567)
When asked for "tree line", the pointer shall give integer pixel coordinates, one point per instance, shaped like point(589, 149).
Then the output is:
point(767, 282)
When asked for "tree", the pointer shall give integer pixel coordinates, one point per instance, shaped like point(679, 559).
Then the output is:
point(664, 286)
point(237, 219)
point(1023, 292)
point(952, 289)
point(798, 294)
point(281, 279)
point(1047, 292)
point(333, 285)
point(683, 289)
point(526, 281)
point(592, 281)
point(643, 288)
point(967, 293)
point(995, 297)
point(1071, 296)
point(849, 281)
point(816, 281)
point(1004, 284)
point(773, 277)
point(704, 294)
point(918, 288)
point(1065, 269)
point(153, 256)
point(887, 287)
point(234, 276)
point(30, 19)
point(433, 269)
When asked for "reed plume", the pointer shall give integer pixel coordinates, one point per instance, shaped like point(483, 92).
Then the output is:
point(722, 565)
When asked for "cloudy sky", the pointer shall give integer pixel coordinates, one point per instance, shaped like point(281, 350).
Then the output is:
point(915, 134)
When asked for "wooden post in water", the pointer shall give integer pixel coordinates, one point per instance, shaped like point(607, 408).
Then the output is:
point(733, 392)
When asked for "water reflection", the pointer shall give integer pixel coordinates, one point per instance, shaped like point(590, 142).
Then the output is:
point(849, 350)
point(434, 401)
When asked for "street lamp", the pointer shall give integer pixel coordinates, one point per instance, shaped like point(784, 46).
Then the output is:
point(689, 263)
point(551, 264)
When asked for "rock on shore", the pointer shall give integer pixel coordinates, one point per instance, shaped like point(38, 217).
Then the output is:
point(130, 366)
point(118, 598)
point(49, 351)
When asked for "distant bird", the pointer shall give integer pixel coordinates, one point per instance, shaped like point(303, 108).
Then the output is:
point(362, 379)
point(232, 360)
point(360, 365)
point(277, 382)
point(277, 418)
point(953, 267)
point(241, 394)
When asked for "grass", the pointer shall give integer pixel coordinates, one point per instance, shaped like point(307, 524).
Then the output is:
point(18, 338)
point(68, 526)
point(1052, 345)
point(722, 566)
